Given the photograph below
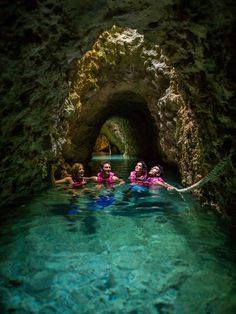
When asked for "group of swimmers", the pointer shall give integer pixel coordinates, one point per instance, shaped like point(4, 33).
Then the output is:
point(138, 177)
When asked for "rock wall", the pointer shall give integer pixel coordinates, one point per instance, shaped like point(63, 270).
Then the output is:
point(45, 46)
point(123, 136)
point(121, 74)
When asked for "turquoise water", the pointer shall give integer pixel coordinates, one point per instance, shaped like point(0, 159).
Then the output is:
point(152, 251)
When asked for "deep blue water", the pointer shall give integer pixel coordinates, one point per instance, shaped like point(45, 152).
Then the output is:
point(152, 251)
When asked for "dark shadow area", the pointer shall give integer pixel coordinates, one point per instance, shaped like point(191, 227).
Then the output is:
point(134, 108)
point(127, 105)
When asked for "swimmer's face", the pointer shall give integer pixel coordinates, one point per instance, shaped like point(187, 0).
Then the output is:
point(81, 171)
point(139, 167)
point(155, 171)
point(77, 171)
point(106, 168)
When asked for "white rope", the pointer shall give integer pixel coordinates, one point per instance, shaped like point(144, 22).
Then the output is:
point(215, 172)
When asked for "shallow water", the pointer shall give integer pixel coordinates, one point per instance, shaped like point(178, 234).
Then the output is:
point(152, 251)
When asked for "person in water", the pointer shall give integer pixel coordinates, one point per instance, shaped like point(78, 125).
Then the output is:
point(154, 178)
point(75, 180)
point(139, 174)
point(106, 181)
point(136, 177)
point(106, 176)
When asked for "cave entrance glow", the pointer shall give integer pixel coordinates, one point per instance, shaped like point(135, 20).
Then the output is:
point(102, 145)
point(128, 129)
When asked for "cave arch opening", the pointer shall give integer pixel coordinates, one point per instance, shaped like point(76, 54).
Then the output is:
point(126, 124)
point(124, 78)
point(129, 126)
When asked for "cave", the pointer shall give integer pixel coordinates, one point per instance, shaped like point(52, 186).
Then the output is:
point(136, 95)
point(59, 90)
point(154, 80)
point(125, 120)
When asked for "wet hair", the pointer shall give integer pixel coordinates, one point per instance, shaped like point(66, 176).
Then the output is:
point(161, 169)
point(144, 166)
point(75, 171)
point(103, 163)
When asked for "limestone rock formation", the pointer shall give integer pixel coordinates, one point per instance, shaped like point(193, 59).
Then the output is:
point(122, 136)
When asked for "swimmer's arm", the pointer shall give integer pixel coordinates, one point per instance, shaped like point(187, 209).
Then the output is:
point(60, 181)
point(64, 180)
point(166, 185)
point(93, 178)
point(140, 179)
point(120, 181)
point(132, 178)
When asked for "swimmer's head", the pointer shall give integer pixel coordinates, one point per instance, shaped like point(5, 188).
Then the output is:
point(156, 171)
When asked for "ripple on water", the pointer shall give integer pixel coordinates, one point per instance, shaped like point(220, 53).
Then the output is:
point(156, 252)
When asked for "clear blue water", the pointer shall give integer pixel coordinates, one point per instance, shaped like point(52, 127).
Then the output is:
point(152, 251)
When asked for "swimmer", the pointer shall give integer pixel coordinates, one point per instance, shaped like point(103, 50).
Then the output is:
point(106, 176)
point(139, 174)
point(75, 181)
point(154, 178)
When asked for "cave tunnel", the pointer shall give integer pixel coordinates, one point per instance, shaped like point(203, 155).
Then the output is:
point(125, 123)
point(105, 145)
point(127, 95)
point(136, 130)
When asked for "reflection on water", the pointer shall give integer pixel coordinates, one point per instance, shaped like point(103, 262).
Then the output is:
point(153, 251)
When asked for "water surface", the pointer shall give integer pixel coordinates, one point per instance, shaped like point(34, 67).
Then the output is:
point(152, 251)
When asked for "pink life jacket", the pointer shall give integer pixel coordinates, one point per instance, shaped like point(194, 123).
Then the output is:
point(150, 181)
point(78, 184)
point(136, 180)
point(109, 180)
